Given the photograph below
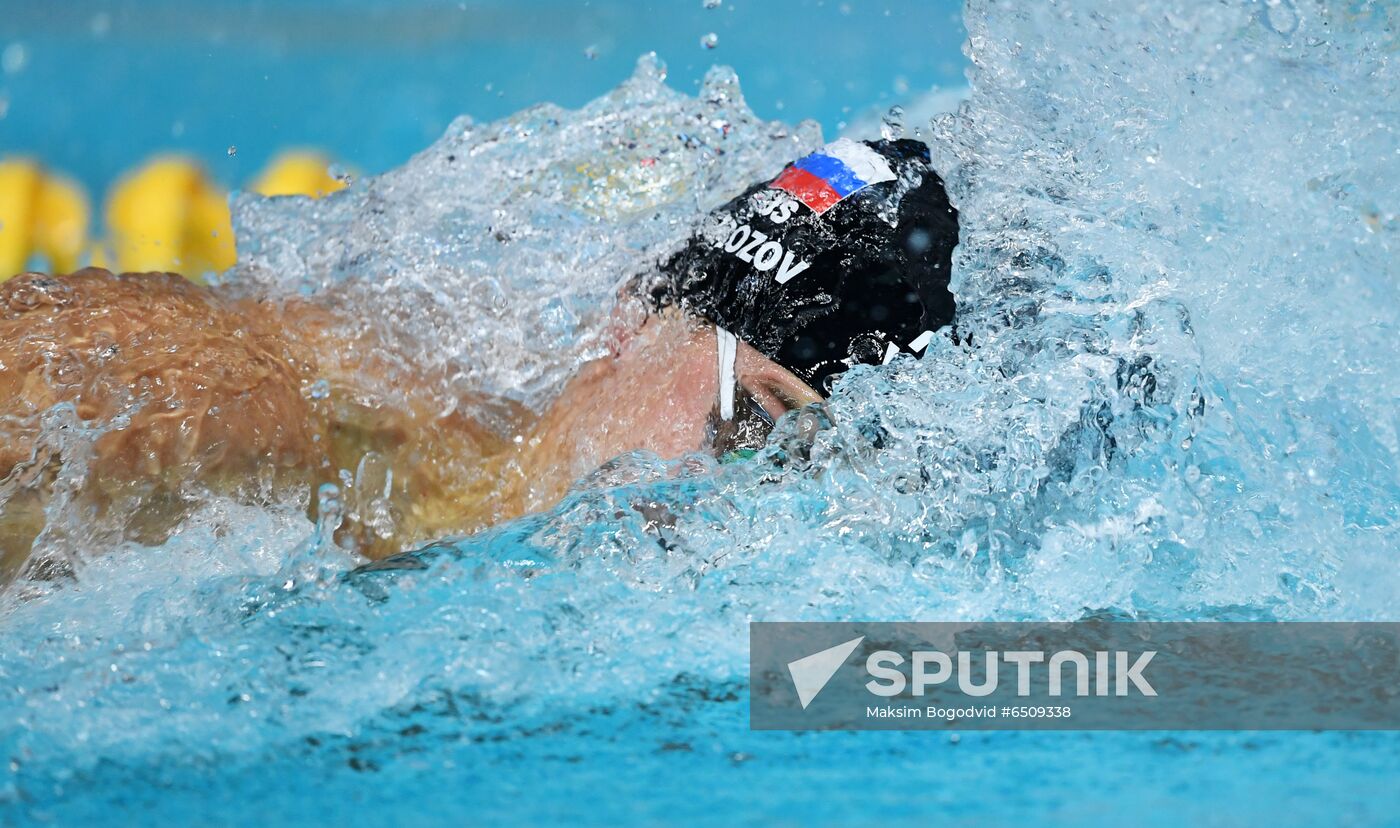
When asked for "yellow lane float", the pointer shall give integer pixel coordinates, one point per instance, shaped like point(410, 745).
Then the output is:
point(168, 215)
point(43, 217)
point(298, 172)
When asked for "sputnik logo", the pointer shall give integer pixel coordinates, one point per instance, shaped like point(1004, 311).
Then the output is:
point(811, 673)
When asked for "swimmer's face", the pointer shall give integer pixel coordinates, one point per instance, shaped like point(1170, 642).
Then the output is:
point(658, 392)
point(764, 391)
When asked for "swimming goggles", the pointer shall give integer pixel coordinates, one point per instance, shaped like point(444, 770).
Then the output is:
point(743, 423)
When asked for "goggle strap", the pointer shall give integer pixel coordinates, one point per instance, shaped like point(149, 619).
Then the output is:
point(727, 345)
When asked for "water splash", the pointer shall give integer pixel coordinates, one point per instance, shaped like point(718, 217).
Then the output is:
point(1172, 396)
point(500, 247)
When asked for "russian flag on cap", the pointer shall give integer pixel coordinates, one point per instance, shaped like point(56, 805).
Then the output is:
point(839, 169)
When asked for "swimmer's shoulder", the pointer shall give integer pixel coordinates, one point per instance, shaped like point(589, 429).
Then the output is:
point(40, 294)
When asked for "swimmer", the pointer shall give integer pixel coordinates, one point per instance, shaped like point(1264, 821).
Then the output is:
point(842, 259)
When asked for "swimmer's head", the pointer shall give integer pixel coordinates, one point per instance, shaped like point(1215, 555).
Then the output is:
point(842, 259)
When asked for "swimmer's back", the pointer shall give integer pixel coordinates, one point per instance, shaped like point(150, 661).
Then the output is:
point(197, 390)
point(199, 373)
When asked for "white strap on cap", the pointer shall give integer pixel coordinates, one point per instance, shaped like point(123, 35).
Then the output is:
point(727, 346)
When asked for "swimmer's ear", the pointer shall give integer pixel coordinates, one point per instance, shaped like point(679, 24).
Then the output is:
point(774, 387)
point(774, 405)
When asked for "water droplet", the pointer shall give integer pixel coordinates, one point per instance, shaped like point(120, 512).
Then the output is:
point(329, 510)
point(319, 390)
point(918, 242)
point(14, 58)
point(892, 125)
point(1281, 17)
point(710, 40)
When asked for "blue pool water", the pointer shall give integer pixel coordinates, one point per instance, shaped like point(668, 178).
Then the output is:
point(1178, 266)
point(103, 84)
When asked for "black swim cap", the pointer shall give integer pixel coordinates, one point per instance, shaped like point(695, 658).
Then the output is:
point(842, 259)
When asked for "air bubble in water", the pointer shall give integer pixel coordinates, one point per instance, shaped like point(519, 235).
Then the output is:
point(710, 40)
point(232, 150)
point(712, 4)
